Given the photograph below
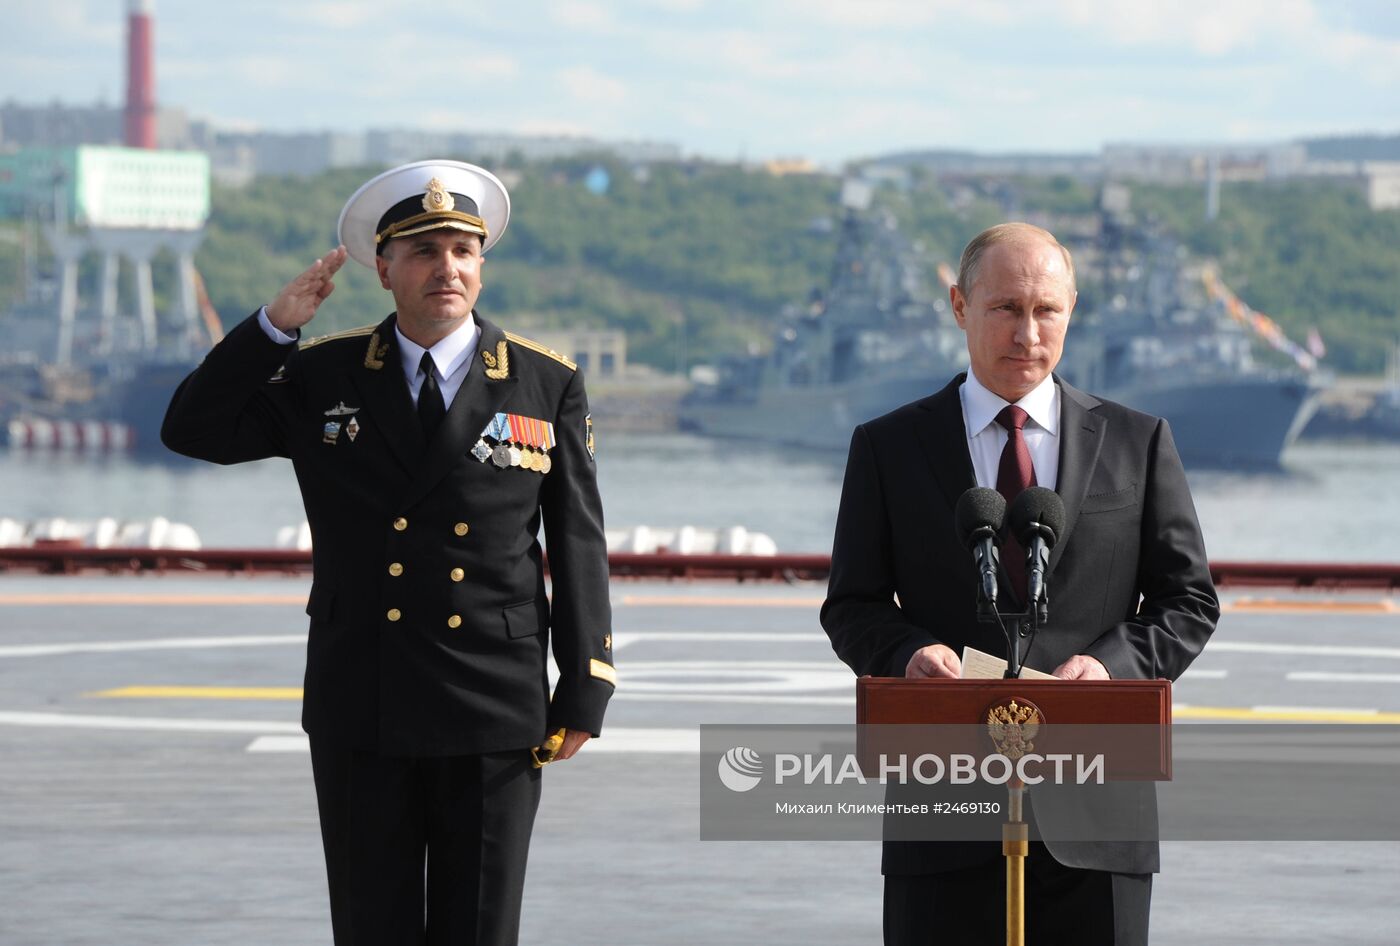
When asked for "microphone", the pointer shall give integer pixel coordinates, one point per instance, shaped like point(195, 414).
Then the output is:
point(1037, 518)
point(978, 518)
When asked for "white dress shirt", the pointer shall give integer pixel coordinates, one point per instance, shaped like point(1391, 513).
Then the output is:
point(986, 438)
point(452, 356)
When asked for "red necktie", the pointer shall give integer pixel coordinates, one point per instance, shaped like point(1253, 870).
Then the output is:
point(1013, 476)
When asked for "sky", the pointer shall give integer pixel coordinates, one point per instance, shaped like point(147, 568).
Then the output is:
point(829, 80)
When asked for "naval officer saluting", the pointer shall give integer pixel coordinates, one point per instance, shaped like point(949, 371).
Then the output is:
point(428, 449)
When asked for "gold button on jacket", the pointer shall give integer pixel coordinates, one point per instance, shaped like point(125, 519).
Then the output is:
point(386, 672)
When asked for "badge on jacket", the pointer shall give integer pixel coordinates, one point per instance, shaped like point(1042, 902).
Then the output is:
point(330, 433)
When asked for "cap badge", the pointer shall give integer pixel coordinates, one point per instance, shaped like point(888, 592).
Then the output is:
point(437, 199)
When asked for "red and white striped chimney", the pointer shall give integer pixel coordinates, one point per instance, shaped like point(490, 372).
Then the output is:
point(140, 75)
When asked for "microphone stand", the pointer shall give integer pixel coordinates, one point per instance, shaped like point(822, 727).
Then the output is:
point(1015, 832)
point(1023, 624)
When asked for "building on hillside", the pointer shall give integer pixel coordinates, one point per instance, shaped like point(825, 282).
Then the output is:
point(601, 353)
point(57, 125)
point(1188, 163)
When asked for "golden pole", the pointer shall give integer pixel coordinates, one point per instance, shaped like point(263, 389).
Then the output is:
point(1015, 845)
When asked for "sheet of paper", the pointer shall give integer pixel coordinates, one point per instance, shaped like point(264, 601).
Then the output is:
point(977, 665)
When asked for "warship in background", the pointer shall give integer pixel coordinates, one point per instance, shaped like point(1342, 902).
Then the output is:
point(876, 337)
point(1164, 337)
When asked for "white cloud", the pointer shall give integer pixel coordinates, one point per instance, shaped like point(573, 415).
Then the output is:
point(588, 85)
point(336, 14)
point(98, 24)
point(267, 72)
point(827, 78)
point(1377, 58)
point(1298, 29)
point(581, 15)
point(489, 66)
point(759, 57)
point(1207, 27)
point(902, 14)
point(748, 52)
point(550, 126)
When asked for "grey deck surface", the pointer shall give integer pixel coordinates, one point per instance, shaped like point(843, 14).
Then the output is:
point(148, 820)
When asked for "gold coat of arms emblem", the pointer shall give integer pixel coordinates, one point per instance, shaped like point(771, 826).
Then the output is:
point(1013, 726)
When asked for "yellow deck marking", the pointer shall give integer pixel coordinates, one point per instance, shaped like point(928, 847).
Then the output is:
point(1282, 715)
point(1251, 605)
point(1240, 713)
point(699, 601)
point(201, 693)
point(148, 600)
point(1281, 606)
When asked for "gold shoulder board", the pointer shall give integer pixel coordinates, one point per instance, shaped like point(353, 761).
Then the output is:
point(533, 345)
point(348, 333)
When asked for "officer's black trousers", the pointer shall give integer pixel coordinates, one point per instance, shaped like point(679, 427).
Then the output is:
point(428, 851)
point(1065, 906)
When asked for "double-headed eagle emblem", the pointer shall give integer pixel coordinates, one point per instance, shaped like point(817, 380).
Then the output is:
point(1013, 725)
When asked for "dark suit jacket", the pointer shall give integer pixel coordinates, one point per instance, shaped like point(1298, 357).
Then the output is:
point(429, 619)
point(1128, 579)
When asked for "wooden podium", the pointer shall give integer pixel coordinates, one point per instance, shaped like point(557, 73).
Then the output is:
point(1003, 716)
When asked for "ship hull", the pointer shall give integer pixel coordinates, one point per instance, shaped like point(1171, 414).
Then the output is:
point(133, 400)
point(143, 398)
point(816, 418)
point(1244, 424)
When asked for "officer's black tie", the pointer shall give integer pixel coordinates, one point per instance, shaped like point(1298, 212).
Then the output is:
point(431, 409)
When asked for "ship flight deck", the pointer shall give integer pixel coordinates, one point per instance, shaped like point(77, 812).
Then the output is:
point(157, 787)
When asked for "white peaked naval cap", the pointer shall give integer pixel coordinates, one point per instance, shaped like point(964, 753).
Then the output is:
point(424, 195)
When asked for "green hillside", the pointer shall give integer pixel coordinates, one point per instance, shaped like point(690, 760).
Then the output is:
point(1307, 253)
point(695, 260)
point(708, 250)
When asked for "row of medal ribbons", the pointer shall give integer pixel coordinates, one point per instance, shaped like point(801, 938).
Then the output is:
point(516, 440)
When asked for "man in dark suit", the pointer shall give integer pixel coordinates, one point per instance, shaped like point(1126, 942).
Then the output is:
point(1131, 595)
point(428, 449)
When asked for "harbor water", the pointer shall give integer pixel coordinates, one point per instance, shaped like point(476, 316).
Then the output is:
point(1333, 501)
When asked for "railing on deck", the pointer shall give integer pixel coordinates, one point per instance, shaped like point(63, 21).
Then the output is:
point(64, 560)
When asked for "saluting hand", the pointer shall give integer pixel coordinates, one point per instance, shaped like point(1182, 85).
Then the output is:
point(299, 299)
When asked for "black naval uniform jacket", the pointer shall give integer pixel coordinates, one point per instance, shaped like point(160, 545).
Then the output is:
point(429, 618)
point(1128, 579)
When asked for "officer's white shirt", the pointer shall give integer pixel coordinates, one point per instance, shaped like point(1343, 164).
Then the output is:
point(452, 356)
point(986, 438)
